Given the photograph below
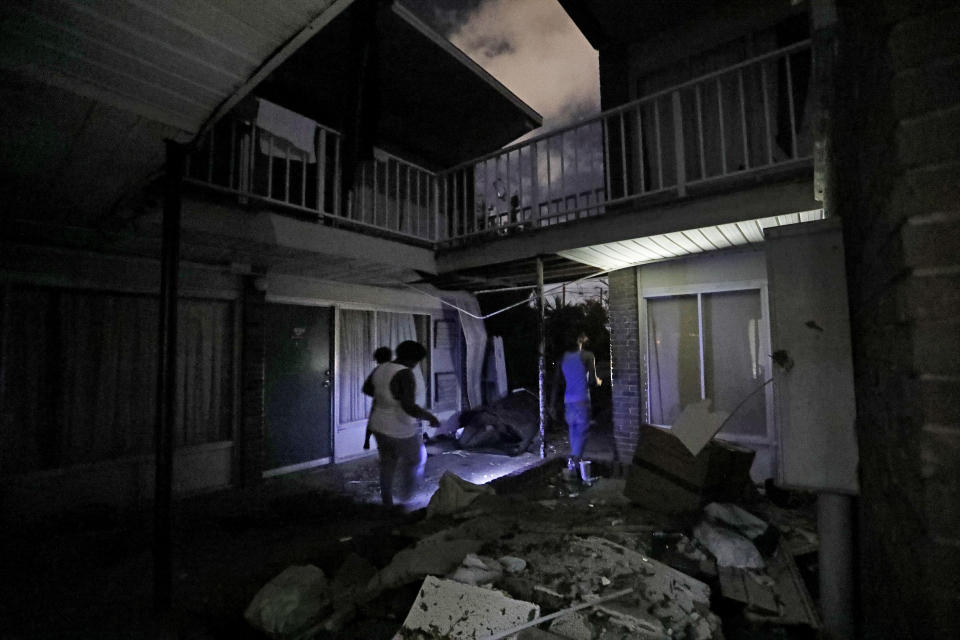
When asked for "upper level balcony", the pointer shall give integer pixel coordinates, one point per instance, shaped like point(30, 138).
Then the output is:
point(743, 125)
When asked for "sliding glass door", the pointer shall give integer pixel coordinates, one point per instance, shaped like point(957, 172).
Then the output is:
point(708, 344)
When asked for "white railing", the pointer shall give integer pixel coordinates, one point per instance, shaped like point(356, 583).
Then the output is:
point(740, 120)
point(743, 119)
point(389, 193)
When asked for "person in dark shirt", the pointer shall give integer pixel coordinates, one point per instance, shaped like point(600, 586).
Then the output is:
point(381, 356)
point(395, 421)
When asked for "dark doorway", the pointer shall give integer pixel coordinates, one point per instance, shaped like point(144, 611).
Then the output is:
point(298, 385)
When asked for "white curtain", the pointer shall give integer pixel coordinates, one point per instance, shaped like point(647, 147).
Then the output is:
point(356, 362)
point(361, 332)
point(394, 328)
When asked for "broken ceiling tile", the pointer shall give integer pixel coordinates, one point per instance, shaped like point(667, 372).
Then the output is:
point(448, 609)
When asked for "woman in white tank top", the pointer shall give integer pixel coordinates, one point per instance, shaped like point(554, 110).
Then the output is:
point(395, 421)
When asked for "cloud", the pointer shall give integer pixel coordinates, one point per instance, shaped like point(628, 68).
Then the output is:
point(536, 51)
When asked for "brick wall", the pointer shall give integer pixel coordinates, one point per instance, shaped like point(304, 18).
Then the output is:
point(895, 157)
point(250, 439)
point(625, 354)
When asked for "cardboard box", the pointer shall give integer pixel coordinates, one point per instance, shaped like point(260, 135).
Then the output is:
point(666, 477)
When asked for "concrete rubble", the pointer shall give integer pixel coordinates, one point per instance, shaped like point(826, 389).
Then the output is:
point(487, 563)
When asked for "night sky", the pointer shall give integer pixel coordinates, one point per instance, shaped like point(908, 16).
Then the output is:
point(531, 46)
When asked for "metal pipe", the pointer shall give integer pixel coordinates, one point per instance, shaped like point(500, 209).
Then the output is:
point(723, 142)
point(606, 158)
point(270, 168)
point(743, 121)
point(233, 153)
point(167, 377)
point(766, 113)
point(656, 124)
point(679, 151)
point(703, 158)
point(541, 359)
point(794, 152)
point(623, 153)
point(321, 170)
point(303, 178)
point(835, 562)
point(643, 169)
point(286, 175)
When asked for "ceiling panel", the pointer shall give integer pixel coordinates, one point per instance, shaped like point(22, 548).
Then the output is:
point(636, 251)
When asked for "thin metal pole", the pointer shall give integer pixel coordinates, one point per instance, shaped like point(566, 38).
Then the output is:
point(549, 177)
point(703, 158)
point(766, 113)
point(541, 359)
point(723, 141)
point(166, 378)
point(303, 178)
point(643, 169)
point(743, 121)
point(678, 146)
point(286, 176)
point(656, 124)
point(534, 185)
point(563, 175)
point(233, 153)
point(607, 170)
point(703, 376)
point(419, 175)
point(376, 174)
point(623, 152)
point(270, 168)
point(793, 117)
point(337, 184)
point(396, 196)
point(321, 170)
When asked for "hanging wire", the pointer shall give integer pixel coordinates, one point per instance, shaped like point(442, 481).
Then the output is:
point(516, 304)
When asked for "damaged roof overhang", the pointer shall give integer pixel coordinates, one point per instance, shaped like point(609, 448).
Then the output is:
point(610, 22)
point(515, 273)
point(89, 94)
point(435, 105)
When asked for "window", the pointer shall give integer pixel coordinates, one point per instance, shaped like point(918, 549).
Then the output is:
point(360, 333)
point(707, 345)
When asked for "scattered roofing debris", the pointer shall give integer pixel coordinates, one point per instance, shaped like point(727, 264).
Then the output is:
point(537, 560)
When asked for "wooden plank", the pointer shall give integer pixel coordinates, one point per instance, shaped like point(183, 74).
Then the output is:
point(796, 606)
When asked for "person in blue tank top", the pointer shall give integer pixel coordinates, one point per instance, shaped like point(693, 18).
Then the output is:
point(576, 374)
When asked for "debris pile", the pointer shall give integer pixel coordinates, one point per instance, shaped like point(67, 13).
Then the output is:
point(545, 561)
point(509, 425)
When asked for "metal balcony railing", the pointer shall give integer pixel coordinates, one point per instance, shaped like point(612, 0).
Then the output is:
point(389, 194)
point(739, 120)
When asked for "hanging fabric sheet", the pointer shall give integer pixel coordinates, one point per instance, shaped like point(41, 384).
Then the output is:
point(475, 336)
point(285, 128)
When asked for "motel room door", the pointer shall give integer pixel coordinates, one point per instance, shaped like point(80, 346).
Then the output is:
point(298, 387)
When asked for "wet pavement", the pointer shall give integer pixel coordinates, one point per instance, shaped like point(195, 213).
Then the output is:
point(89, 573)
